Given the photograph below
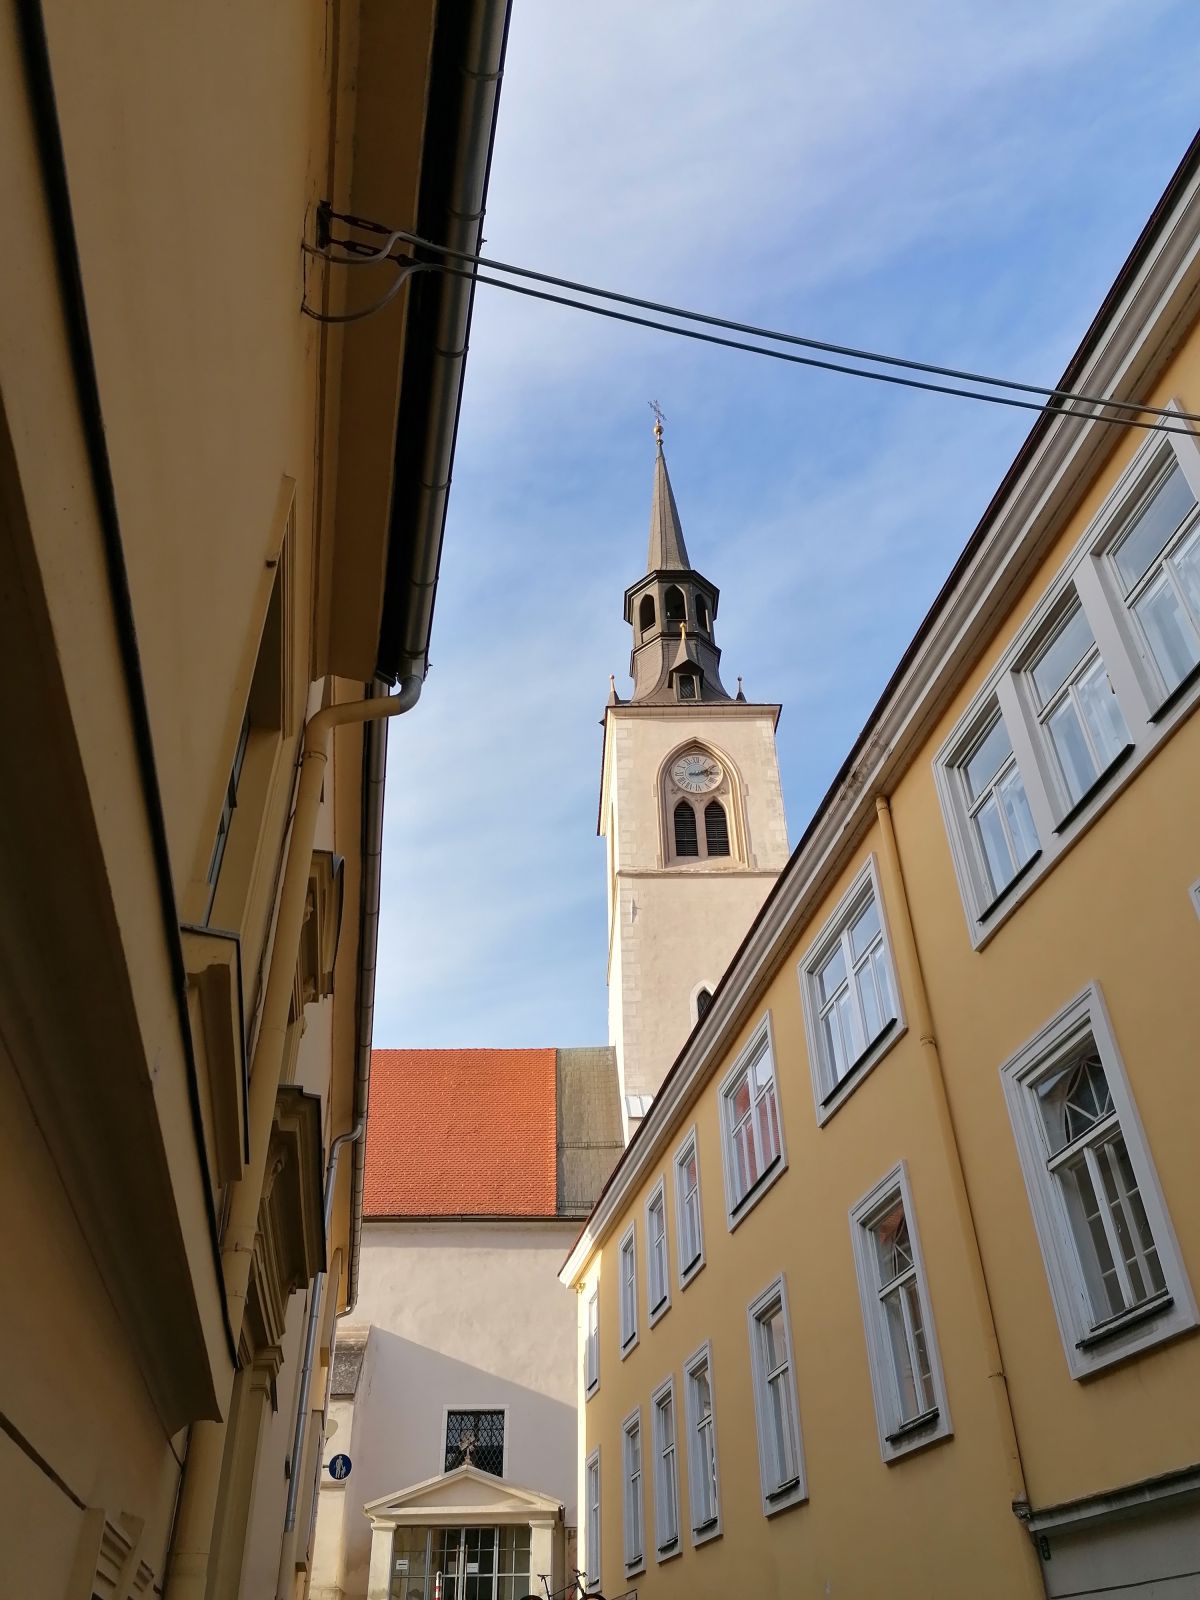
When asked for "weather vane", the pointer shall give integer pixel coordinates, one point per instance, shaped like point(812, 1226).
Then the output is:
point(659, 419)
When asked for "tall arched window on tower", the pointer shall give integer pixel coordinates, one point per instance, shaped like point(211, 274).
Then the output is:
point(703, 1001)
point(687, 842)
point(716, 829)
point(673, 605)
point(646, 613)
point(702, 612)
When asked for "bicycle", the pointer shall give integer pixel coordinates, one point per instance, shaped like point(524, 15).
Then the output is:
point(577, 1589)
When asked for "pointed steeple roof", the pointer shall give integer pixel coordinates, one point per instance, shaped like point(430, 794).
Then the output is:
point(667, 552)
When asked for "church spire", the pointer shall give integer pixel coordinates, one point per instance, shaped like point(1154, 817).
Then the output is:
point(667, 552)
point(672, 608)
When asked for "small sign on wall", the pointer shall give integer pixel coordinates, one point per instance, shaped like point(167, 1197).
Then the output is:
point(340, 1467)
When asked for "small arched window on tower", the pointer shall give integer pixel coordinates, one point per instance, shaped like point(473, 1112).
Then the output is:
point(673, 605)
point(686, 686)
point(646, 613)
point(703, 1001)
point(702, 612)
point(716, 829)
point(687, 842)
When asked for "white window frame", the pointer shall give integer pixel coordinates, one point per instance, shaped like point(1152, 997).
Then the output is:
point(828, 1093)
point(627, 1286)
point(633, 1494)
point(703, 1528)
point(687, 1269)
point(1090, 1346)
point(665, 1549)
point(739, 1207)
point(777, 1494)
point(898, 1436)
point(1051, 771)
point(591, 1344)
point(1150, 714)
point(1194, 891)
point(592, 1537)
point(656, 1309)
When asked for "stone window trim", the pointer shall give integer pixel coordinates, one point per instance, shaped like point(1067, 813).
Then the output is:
point(633, 1492)
point(831, 1089)
point(664, 1436)
point(689, 1233)
point(658, 1253)
point(783, 1482)
point(739, 1203)
point(730, 795)
point(901, 1430)
point(705, 1516)
point(591, 1522)
point(591, 1342)
point(627, 1273)
point(1091, 1345)
point(1150, 707)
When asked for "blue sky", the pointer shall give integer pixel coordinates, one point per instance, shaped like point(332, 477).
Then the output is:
point(955, 181)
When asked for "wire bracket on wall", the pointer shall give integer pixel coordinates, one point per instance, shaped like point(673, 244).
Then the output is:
point(344, 250)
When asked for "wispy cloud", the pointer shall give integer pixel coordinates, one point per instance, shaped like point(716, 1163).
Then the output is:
point(943, 179)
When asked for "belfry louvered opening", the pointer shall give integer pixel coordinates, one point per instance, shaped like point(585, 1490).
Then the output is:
point(687, 842)
point(716, 829)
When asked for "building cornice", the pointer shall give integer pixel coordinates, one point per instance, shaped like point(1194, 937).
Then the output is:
point(1126, 349)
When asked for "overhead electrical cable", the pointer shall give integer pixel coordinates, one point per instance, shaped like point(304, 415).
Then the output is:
point(1056, 400)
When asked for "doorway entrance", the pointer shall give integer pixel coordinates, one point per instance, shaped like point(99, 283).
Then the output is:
point(484, 1563)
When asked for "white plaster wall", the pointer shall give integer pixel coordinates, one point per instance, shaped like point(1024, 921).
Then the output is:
point(460, 1315)
point(676, 927)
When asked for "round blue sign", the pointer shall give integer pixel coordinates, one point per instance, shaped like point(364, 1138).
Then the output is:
point(339, 1467)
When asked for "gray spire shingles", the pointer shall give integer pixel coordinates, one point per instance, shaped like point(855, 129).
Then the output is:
point(667, 552)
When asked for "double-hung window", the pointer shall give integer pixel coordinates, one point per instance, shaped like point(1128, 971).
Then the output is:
point(628, 1271)
point(780, 1451)
point(1155, 563)
point(689, 1226)
point(906, 1377)
point(666, 1471)
point(634, 1527)
point(850, 1005)
point(657, 1265)
point(1076, 706)
point(591, 1357)
point(1001, 824)
point(1114, 1269)
point(703, 1479)
point(592, 1490)
point(752, 1136)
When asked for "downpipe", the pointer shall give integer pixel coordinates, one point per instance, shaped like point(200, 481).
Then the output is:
point(188, 1569)
point(287, 1555)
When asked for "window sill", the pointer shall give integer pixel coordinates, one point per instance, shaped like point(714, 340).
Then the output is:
point(784, 1489)
point(706, 1532)
point(1018, 877)
point(757, 1189)
point(629, 1346)
point(1090, 793)
point(594, 1390)
point(1188, 681)
point(916, 1425)
point(635, 1568)
point(686, 1274)
point(672, 1548)
point(856, 1068)
point(1115, 1326)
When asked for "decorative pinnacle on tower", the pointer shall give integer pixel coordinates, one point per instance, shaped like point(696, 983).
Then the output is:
point(672, 608)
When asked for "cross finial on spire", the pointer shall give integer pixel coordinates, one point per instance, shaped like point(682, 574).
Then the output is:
point(659, 419)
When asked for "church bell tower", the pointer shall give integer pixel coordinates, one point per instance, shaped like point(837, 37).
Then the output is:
point(690, 806)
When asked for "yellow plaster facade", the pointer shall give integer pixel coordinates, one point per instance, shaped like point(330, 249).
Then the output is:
point(1031, 1426)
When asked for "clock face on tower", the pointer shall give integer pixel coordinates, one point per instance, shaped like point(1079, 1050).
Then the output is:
point(697, 773)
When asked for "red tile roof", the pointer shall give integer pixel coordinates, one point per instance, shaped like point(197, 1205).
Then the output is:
point(461, 1133)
